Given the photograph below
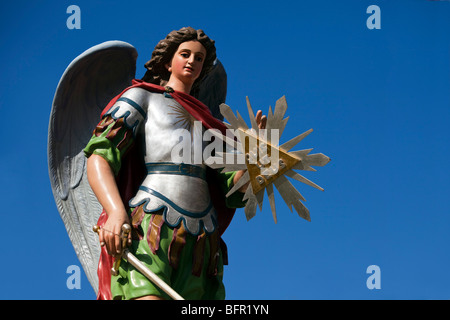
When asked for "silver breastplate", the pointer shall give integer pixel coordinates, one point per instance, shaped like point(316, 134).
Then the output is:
point(182, 192)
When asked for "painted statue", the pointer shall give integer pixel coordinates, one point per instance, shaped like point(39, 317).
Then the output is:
point(173, 214)
point(124, 172)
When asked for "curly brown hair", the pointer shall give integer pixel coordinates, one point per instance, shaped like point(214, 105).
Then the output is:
point(166, 48)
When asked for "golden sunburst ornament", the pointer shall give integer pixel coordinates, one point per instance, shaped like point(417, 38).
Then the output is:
point(266, 162)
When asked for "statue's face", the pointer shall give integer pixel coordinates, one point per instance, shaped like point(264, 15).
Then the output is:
point(187, 62)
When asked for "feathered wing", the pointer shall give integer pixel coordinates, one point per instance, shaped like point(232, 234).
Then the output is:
point(87, 85)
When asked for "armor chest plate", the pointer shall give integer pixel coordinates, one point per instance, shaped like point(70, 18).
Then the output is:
point(169, 132)
point(170, 129)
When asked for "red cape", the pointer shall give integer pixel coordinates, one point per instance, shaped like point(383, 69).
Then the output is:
point(133, 172)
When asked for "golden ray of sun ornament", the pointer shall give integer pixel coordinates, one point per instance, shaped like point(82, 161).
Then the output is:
point(266, 163)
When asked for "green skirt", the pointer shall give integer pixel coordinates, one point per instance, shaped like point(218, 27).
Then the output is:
point(191, 265)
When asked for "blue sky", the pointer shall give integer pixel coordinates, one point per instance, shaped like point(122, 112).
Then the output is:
point(378, 101)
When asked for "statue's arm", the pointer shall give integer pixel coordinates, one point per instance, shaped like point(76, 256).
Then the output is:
point(102, 181)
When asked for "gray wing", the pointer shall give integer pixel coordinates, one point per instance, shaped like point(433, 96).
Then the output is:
point(87, 85)
point(213, 89)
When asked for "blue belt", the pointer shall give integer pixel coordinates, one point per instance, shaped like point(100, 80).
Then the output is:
point(173, 168)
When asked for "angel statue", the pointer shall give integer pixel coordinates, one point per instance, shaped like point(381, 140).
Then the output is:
point(115, 163)
point(178, 211)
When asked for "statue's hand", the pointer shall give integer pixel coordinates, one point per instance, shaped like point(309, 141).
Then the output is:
point(261, 120)
point(110, 234)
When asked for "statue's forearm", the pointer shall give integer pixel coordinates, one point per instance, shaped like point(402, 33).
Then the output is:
point(102, 181)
